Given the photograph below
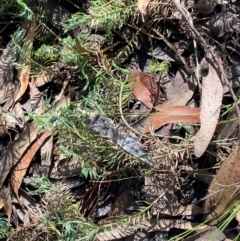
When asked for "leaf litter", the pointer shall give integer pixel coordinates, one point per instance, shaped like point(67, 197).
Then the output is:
point(79, 134)
point(212, 94)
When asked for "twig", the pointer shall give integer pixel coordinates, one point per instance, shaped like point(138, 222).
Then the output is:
point(10, 22)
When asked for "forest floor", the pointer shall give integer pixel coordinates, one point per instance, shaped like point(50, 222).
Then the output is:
point(120, 120)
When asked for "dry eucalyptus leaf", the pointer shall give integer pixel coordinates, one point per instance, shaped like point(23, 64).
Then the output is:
point(65, 168)
point(20, 169)
point(224, 188)
point(173, 114)
point(122, 203)
point(46, 156)
point(41, 80)
point(212, 234)
point(163, 185)
point(29, 212)
point(90, 199)
point(16, 149)
point(9, 121)
point(6, 200)
point(146, 89)
point(178, 91)
point(7, 84)
point(37, 102)
point(212, 94)
point(18, 112)
point(142, 5)
point(149, 225)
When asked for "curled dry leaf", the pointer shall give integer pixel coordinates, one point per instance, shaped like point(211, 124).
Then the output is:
point(146, 89)
point(212, 94)
point(20, 169)
point(172, 114)
point(142, 5)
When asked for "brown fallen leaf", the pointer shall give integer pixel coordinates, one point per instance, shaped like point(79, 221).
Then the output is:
point(90, 199)
point(149, 225)
point(23, 73)
point(1, 202)
point(46, 156)
point(172, 114)
point(20, 169)
point(37, 102)
point(16, 149)
point(41, 80)
point(160, 187)
point(6, 200)
point(142, 5)
point(146, 90)
point(212, 94)
point(224, 189)
point(182, 85)
point(211, 234)
point(7, 83)
point(30, 211)
point(121, 204)
point(65, 167)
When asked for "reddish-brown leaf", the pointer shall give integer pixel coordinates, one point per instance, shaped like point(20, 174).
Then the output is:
point(146, 89)
point(172, 114)
point(21, 168)
point(16, 149)
point(142, 5)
